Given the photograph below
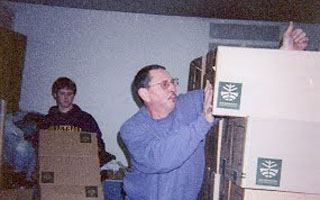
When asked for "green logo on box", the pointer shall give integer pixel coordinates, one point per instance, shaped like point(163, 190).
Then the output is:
point(269, 172)
point(47, 177)
point(229, 95)
point(91, 191)
point(85, 138)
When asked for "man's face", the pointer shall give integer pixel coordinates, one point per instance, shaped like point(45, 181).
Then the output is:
point(64, 98)
point(161, 98)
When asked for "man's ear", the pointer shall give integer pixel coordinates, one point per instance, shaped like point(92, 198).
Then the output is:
point(144, 94)
point(54, 95)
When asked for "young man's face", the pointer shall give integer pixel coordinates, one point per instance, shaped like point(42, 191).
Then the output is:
point(64, 98)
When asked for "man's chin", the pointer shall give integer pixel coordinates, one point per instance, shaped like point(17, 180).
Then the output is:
point(172, 106)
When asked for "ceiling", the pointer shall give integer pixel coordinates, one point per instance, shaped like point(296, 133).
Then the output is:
point(269, 10)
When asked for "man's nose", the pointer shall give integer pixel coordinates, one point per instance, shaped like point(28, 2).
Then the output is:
point(172, 87)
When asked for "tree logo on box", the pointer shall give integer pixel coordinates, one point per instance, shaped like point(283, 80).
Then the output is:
point(85, 137)
point(47, 177)
point(230, 92)
point(229, 95)
point(91, 191)
point(268, 171)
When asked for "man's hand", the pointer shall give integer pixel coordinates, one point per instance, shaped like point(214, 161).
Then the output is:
point(207, 103)
point(294, 39)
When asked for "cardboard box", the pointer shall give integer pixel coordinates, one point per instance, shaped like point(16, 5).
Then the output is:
point(267, 83)
point(275, 154)
point(67, 143)
point(69, 170)
point(68, 165)
point(16, 194)
point(235, 192)
point(277, 195)
point(73, 192)
point(232, 147)
point(278, 92)
point(285, 147)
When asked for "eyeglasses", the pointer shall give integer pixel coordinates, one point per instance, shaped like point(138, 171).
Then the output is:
point(166, 84)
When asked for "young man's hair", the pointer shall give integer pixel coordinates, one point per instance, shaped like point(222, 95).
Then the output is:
point(62, 83)
point(142, 78)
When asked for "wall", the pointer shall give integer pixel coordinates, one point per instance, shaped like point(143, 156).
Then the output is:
point(101, 51)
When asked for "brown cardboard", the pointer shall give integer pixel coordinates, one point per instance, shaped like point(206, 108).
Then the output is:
point(67, 143)
point(16, 194)
point(224, 189)
point(69, 170)
point(73, 192)
point(236, 192)
point(232, 148)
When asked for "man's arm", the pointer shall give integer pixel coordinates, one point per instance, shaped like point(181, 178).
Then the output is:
point(294, 39)
point(154, 154)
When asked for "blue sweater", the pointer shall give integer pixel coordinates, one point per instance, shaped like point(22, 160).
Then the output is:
point(167, 155)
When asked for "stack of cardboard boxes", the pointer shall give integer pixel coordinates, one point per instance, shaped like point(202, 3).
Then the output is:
point(269, 134)
point(69, 166)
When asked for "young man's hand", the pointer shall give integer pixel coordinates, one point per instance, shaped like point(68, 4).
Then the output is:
point(294, 39)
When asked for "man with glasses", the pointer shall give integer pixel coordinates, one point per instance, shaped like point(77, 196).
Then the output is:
point(165, 138)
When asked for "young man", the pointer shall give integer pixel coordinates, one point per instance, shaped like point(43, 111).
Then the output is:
point(67, 116)
point(165, 138)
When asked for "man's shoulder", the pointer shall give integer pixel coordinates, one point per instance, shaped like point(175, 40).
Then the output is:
point(194, 95)
point(134, 119)
point(86, 114)
point(191, 93)
point(134, 122)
